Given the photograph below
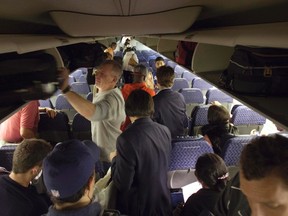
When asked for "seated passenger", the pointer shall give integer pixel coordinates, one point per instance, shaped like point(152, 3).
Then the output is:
point(159, 62)
point(139, 170)
point(219, 129)
point(69, 176)
point(17, 196)
point(23, 124)
point(170, 107)
point(212, 173)
point(263, 175)
point(232, 201)
point(139, 74)
point(130, 60)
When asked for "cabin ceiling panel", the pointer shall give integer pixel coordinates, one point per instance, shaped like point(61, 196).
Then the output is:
point(173, 21)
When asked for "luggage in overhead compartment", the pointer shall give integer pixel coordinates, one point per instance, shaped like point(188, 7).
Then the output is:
point(257, 71)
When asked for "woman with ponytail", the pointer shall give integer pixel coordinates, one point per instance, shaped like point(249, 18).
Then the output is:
point(212, 173)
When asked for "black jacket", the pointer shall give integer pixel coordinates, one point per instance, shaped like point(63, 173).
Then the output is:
point(139, 171)
point(170, 110)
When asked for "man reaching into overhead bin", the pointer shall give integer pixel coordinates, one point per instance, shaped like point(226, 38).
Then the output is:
point(106, 112)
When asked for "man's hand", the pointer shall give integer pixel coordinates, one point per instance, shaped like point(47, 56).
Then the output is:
point(63, 77)
point(112, 155)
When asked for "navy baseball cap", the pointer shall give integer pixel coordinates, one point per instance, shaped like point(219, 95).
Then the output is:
point(68, 167)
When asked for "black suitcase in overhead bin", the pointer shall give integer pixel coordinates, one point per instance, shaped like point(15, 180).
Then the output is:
point(257, 71)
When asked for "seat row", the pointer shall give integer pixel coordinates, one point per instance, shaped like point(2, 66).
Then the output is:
point(245, 119)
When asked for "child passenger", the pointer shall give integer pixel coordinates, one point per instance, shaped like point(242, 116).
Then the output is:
point(212, 173)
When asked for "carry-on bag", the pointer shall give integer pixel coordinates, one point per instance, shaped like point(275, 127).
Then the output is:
point(257, 71)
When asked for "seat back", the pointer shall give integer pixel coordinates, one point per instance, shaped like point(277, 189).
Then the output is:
point(193, 97)
point(232, 149)
point(198, 119)
point(82, 78)
point(6, 156)
point(179, 83)
point(246, 120)
point(81, 88)
point(76, 74)
point(81, 128)
point(171, 64)
point(214, 94)
point(201, 84)
point(189, 76)
point(185, 152)
point(179, 71)
point(62, 103)
point(45, 103)
point(54, 130)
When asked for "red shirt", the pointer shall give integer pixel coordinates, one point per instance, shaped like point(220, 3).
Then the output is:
point(27, 117)
point(128, 88)
point(126, 91)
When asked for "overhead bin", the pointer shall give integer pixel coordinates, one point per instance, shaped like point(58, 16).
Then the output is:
point(165, 22)
point(30, 76)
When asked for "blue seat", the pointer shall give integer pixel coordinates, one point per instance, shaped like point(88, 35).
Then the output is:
point(82, 78)
point(193, 97)
point(171, 64)
point(81, 128)
point(198, 119)
point(71, 79)
point(76, 74)
point(232, 149)
point(179, 83)
point(189, 76)
point(179, 70)
point(247, 121)
point(201, 84)
point(185, 152)
point(6, 156)
point(45, 103)
point(80, 87)
point(54, 130)
point(63, 105)
point(214, 94)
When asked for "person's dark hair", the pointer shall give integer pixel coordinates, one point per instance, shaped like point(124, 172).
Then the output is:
point(113, 44)
point(139, 104)
point(264, 156)
point(140, 70)
point(75, 197)
point(118, 59)
point(29, 153)
point(165, 76)
point(212, 171)
point(159, 58)
point(116, 67)
point(218, 114)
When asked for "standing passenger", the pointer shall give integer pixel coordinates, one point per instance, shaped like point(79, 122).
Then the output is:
point(170, 107)
point(264, 175)
point(106, 112)
point(139, 170)
point(17, 196)
point(69, 175)
point(111, 49)
point(139, 74)
point(130, 60)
